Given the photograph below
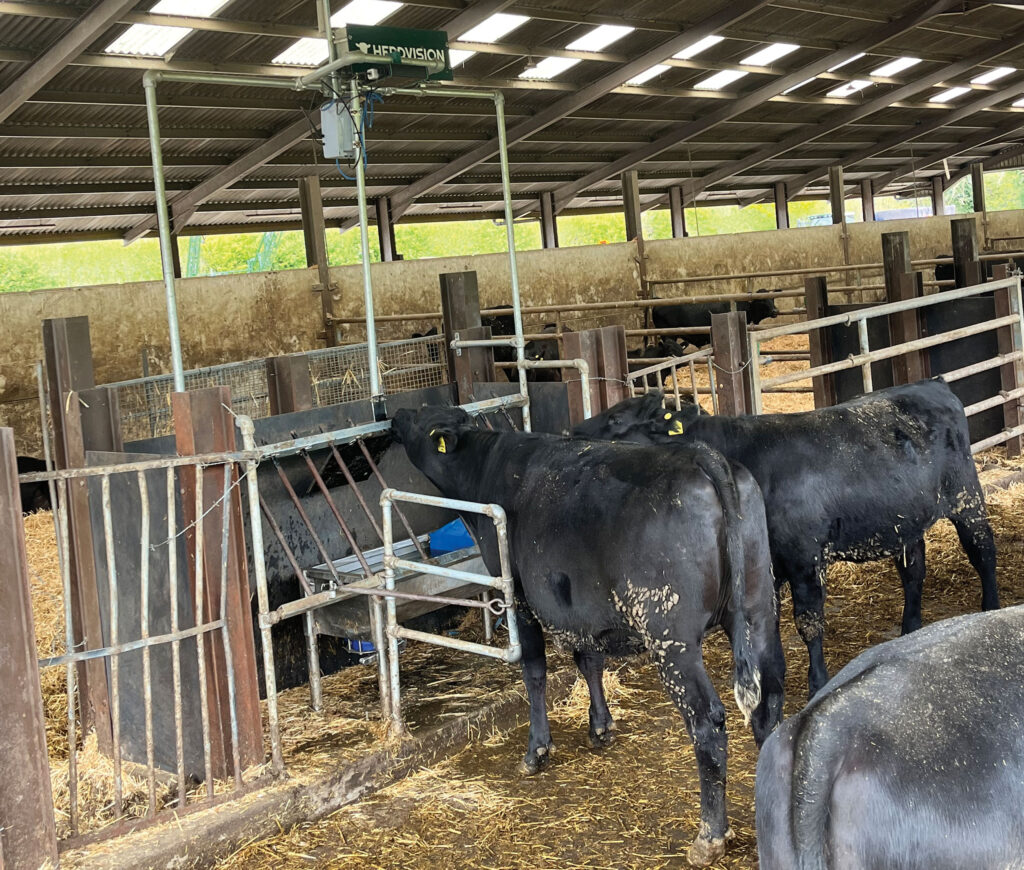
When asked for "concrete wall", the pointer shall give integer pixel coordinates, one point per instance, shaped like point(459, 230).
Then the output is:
point(235, 317)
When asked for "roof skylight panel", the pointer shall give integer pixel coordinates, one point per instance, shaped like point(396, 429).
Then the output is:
point(499, 25)
point(155, 40)
point(719, 80)
point(649, 74)
point(895, 66)
point(769, 54)
point(762, 57)
point(312, 51)
point(594, 40)
point(993, 75)
point(848, 89)
point(699, 46)
point(847, 61)
point(948, 95)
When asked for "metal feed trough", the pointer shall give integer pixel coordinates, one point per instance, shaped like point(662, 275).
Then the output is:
point(351, 617)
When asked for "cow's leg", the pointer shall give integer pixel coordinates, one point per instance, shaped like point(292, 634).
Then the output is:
point(807, 583)
point(535, 676)
point(975, 534)
point(682, 672)
point(602, 727)
point(910, 566)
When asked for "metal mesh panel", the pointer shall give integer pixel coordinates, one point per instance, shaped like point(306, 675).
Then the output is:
point(342, 374)
point(338, 374)
point(146, 403)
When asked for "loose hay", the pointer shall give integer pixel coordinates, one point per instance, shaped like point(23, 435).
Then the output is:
point(635, 805)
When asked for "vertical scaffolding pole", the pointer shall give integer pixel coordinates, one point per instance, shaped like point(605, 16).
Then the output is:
point(164, 230)
point(517, 314)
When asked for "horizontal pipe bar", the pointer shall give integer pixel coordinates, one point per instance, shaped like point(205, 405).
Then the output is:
point(494, 511)
point(1002, 398)
point(511, 654)
point(984, 366)
point(443, 571)
point(998, 438)
point(325, 598)
point(884, 310)
point(856, 360)
point(128, 646)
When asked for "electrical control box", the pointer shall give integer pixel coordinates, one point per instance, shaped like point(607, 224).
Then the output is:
point(338, 130)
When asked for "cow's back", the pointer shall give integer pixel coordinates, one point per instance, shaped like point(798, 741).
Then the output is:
point(830, 474)
point(588, 521)
point(911, 757)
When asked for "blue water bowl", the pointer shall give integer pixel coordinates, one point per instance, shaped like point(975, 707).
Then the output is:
point(360, 646)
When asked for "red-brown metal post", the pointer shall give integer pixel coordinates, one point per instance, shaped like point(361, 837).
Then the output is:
point(203, 424)
point(816, 300)
point(28, 835)
point(731, 352)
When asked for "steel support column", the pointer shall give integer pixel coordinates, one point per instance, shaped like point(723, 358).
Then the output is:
point(677, 212)
point(385, 230)
point(867, 199)
point(836, 186)
point(548, 221)
point(781, 206)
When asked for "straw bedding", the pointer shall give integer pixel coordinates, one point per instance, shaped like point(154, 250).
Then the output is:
point(635, 805)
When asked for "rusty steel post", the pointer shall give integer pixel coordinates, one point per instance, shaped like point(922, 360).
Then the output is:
point(203, 424)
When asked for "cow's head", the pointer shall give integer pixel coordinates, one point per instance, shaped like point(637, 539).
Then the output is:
point(621, 418)
point(431, 437)
point(762, 309)
point(642, 420)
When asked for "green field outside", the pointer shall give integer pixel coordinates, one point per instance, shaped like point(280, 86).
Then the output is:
point(33, 267)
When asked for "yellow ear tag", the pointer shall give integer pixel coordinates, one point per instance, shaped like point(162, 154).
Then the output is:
point(676, 428)
point(441, 446)
point(668, 416)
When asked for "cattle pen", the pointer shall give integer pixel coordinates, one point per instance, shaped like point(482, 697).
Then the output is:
point(243, 625)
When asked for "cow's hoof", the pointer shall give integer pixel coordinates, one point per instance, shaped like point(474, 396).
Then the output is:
point(535, 762)
point(707, 850)
point(602, 738)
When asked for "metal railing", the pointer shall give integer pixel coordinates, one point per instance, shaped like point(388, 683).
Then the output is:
point(504, 583)
point(866, 357)
point(167, 548)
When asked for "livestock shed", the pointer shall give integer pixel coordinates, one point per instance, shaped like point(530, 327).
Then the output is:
point(292, 539)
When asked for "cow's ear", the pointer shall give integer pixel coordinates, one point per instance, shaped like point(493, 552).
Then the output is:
point(445, 439)
point(652, 405)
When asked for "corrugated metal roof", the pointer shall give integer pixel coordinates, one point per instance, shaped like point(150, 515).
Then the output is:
point(74, 159)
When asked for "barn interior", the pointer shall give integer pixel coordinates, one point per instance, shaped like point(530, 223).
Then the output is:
point(206, 662)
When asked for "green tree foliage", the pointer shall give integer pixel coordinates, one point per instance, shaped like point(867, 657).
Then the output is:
point(73, 264)
point(18, 271)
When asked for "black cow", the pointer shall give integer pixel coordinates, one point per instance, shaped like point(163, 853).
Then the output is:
point(433, 351)
point(856, 482)
point(34, 496)
point(698, 314)
point(663, 349)
point(504, 326)
point(947, 271)
point(910, 758)
point(616, 549)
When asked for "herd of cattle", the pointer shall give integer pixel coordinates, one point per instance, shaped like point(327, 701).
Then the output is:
point(649, 527)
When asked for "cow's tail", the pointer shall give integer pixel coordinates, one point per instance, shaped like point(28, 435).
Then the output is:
point(746, 674)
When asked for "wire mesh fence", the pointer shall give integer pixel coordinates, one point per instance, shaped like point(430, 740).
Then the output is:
point(337, 374)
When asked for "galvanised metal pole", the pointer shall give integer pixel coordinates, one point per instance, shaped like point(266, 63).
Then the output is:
point(510, 232)
point(364, 241)
point(149, 82)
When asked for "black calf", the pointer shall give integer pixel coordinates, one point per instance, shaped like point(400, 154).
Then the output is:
point(860, 481)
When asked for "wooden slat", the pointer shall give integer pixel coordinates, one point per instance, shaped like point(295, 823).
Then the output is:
point(816, 302)
point(27, 832)
point(731, 352)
